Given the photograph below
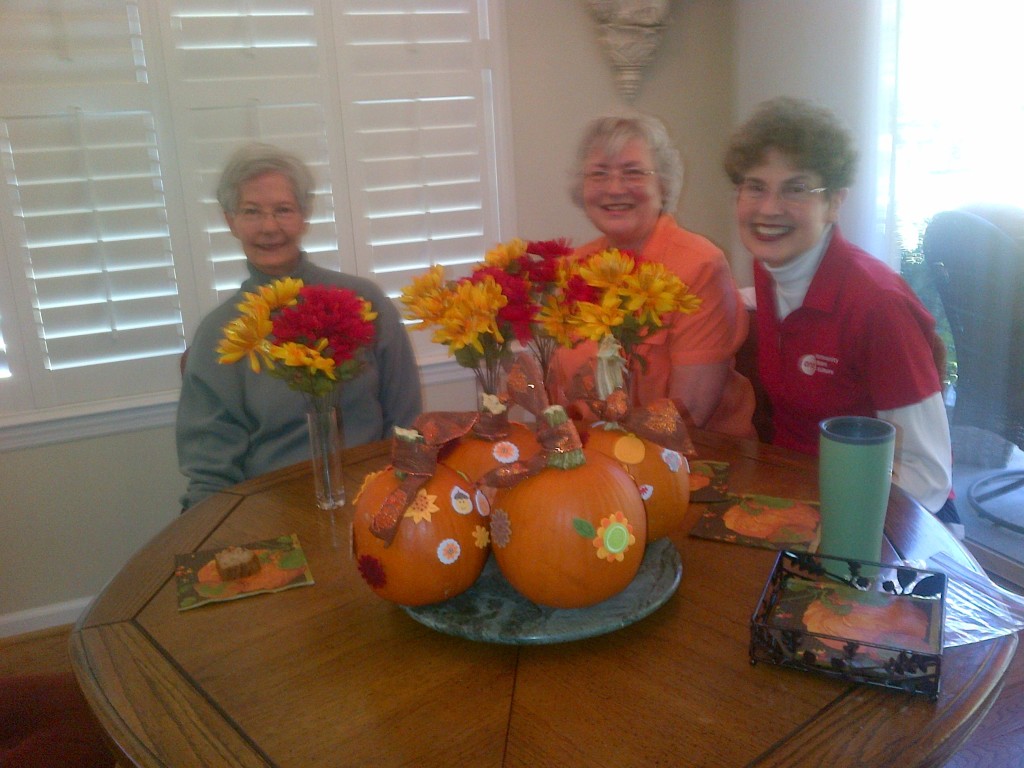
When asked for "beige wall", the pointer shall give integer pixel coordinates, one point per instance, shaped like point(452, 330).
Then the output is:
point(70, 515)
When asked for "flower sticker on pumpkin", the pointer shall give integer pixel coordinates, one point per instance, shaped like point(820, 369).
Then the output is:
point(372, 571)
point(483, 504)
point(448, 551)
point(481, 537)
point(673, 459)
point(646, 489)
point(422, 507)
point(461, 501)
point(614, 537)
point(501, 528)
point(505, 452)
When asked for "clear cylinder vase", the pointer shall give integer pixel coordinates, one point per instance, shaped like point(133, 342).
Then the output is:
point(325, 443)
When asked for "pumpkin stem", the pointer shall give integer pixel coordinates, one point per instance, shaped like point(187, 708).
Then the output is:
point(408, 435)
point(561, 455)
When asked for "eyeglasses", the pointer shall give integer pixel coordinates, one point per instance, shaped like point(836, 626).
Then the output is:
point(282, 214)
point(630, 177)
point(795, 193)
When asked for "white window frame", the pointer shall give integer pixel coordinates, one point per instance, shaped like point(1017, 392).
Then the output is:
point(30, 414)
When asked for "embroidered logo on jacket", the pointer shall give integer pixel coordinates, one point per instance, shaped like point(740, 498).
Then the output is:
point(812, 364)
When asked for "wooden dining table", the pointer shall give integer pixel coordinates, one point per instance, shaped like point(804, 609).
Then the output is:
point(332, 675)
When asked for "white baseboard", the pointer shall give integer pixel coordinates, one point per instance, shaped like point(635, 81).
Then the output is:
point(44, 617)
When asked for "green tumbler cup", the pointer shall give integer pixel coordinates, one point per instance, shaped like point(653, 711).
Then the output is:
point(854, 475)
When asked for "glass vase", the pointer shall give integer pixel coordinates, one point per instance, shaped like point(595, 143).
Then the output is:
point(325, 444)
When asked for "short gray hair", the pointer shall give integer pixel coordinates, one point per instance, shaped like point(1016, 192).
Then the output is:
point(254, 160)
point(611, 133)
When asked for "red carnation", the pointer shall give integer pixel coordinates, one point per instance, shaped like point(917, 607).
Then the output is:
point(326, 312)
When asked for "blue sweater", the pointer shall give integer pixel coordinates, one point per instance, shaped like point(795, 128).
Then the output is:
point(234, 424)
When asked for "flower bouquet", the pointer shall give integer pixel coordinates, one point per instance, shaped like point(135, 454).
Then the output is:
point(310, 336)
point(476, 317)
point(616, 299)
point(481, 318)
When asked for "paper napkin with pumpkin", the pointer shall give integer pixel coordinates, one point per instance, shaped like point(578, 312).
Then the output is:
point(708, 481)
point(282, 566)
point(761, 521)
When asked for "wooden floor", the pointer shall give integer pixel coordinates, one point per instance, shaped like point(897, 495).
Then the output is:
point(997, 743)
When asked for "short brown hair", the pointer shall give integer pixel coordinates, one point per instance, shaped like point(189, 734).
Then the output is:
point(810, 136)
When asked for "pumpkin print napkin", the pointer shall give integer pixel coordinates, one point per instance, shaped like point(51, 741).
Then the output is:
point(761, 521)
point(282, 566)
point(708, 481)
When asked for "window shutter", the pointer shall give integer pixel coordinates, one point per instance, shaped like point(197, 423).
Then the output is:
point(116, 118)
point(5, 370)
point(84, 205)
point(419, 96)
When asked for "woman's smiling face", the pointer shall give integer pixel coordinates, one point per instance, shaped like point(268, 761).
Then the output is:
point(624, 210)
point(269, 223)
point(776, 230)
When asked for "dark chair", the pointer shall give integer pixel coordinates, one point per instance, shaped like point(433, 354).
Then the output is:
point(978, 269)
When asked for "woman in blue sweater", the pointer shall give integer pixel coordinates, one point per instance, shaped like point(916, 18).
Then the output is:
point(234, 424)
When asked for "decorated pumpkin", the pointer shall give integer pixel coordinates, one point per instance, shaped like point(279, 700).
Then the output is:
point(662, 475)
point(433, 542)
point(494, 441)
point(573, 533)
point(649, 441)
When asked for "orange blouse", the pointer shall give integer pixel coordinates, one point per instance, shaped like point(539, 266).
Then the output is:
point(711, 335)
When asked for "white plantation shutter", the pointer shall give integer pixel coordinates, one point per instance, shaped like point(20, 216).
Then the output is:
point(420, 143)
point(93, 291)
point(5, 370)
point(116, 117)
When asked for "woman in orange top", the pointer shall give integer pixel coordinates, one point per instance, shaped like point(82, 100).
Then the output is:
point(628, 177)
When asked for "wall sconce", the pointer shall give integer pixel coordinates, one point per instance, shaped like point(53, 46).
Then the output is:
point(631, 32)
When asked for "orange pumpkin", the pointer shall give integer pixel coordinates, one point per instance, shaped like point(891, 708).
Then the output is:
point(661, 474)
point(474, 456)
point(569, 538)
point(440, 546)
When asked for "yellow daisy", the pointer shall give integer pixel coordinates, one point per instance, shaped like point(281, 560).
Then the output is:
point(246, 335)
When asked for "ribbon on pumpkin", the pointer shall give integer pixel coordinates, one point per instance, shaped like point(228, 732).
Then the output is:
point(659, 421)
point(525, 387)
point(415, 461)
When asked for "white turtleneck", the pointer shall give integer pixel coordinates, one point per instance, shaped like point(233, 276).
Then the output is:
point(793, 278)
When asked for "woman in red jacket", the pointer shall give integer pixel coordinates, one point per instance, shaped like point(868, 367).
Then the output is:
point(839, 332)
